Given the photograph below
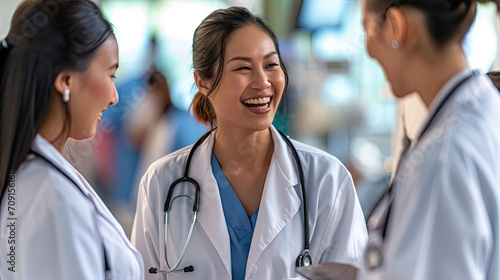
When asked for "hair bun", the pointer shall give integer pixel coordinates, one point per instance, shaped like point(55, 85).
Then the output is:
point(203, 110)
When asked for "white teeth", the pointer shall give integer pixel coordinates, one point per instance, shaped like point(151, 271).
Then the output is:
point(263, 107)
point(258, 100)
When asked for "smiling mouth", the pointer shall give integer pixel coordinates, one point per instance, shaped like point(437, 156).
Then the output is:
point(261, 103)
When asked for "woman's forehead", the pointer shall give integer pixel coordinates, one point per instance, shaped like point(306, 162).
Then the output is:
point(250, 39)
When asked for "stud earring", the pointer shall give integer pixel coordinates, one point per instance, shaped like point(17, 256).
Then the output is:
point(395, 44)
point(66, 96)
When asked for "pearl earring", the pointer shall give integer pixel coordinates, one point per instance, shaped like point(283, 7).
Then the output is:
point(66, 96)
point(395, 44)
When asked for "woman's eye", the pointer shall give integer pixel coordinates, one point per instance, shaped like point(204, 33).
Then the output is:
point(272, 65)
point(113, 77)
point(243, 68)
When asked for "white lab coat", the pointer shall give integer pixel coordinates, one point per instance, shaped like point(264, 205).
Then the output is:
point(444, 223)
point(59, 233)
point(336, 223)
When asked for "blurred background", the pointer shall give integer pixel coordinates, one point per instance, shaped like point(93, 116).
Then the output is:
point(337, 100)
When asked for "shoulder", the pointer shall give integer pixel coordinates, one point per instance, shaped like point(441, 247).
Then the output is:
point(170, 163)
point(463, 141)
point(45, 189)
point(319, 160)
point(162, 173)
point(327, 179)
point(474, 130)
point(50, 208)
point(467, 126)
point(479, 101)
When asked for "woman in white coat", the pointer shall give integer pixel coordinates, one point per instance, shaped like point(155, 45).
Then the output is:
point(440, 219)
point(57, 66)
point(250, 222)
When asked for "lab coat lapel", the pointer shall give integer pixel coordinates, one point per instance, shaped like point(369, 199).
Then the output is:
point(279, 202)
point(211, 215)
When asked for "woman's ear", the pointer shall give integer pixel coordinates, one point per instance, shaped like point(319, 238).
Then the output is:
point(62, 82)
point(398, 26)
point(203, 85)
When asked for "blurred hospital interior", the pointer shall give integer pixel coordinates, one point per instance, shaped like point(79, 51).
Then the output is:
point(338, 99)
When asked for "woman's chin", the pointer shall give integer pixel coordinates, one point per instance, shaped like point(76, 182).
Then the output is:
point(85, 134)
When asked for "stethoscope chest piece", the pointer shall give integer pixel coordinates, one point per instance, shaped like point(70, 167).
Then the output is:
point(304, 259)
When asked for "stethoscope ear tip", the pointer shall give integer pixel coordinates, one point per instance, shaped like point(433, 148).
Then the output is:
point(153, 270)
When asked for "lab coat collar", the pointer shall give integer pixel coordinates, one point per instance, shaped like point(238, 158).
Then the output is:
point(443, 92)
point(447, 87)
point(279, 202)
point(46, 149)
point(278, 205)
point(284, 158)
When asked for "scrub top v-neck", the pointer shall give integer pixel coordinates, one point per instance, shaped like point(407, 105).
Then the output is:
point(239, 226)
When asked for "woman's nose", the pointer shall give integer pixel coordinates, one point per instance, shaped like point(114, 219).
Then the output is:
point(260, 80)
point(115, 98)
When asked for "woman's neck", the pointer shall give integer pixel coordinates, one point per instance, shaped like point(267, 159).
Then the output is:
point(431, 76)
point(239, 150)
point(52, 128)
point(57, 139)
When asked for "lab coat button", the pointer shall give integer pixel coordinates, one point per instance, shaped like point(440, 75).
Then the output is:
point(255, 269)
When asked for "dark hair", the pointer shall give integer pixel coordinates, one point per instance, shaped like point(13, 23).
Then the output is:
point(209, 45)
point(445, 19)
point(46, 37)
point(495, 78)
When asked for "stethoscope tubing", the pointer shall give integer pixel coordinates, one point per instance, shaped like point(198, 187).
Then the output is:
point(186, 244)
point(304, 195)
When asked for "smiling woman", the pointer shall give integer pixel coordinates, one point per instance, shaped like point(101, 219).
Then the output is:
point(253, 181)
point(440, 217)
point(57, 66)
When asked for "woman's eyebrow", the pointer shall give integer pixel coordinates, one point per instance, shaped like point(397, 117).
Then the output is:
point(244, 58)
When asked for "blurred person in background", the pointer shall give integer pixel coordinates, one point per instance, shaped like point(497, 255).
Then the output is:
point(440, 218)
point(157, 127)
point(250, 220)
point(57, 66)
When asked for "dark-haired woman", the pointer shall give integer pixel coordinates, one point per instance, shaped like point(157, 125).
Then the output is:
point(57, 66)
point(250, 223)
point(441, 217)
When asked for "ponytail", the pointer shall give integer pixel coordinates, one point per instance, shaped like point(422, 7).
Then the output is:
point(203, 110)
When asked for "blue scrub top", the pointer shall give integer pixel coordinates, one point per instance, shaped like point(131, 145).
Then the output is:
point(239, 226)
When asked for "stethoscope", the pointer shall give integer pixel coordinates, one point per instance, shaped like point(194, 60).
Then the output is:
point(373, 256)
point(304, 259)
